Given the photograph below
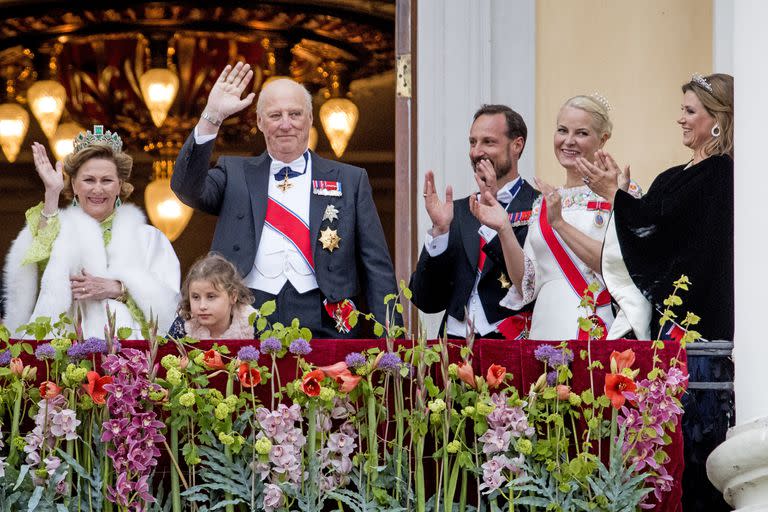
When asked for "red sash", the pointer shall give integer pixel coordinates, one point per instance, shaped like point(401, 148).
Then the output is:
point(292, 227)
point(481, 257)
point(569, 268)
point(516, 327)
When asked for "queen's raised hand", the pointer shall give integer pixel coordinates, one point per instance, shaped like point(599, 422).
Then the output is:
point(52, 177)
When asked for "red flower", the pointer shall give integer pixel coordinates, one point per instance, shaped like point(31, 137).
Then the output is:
point(212, 360)
point(347, 381)
point(621, 360)
point(495, 375)
point(311, 382)
point(334, 370)
point(49, 390)
point(248, 376)
point(615, 387)
point(467, 374)
point(95, 386)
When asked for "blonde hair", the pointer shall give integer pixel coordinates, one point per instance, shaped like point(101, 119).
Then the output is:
point(74, 161)
point(599, 112)
point(719, 104)
point(217, 270)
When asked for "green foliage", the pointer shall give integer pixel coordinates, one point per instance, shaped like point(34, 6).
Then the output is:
point(220, 476)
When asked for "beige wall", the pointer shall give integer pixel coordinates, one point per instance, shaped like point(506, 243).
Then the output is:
point(635, 53)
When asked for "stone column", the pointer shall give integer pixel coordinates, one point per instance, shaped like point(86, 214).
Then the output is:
point(739, 466)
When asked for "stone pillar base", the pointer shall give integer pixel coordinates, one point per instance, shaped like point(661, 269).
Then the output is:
point(739, 466)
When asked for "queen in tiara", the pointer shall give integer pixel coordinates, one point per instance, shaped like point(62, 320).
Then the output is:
point(565, 231)
point(98, 251)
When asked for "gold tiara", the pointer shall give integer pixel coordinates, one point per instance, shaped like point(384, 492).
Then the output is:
point(98, 137)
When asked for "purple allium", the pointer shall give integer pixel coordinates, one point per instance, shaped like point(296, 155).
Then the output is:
point(355, 359)
point(553, 356)
point(299, 347)
point(552, 378)
point(88, 348)
point(271, 346)
point(545, 352)
point(5, 357)
point(248, 353)
point(45, 351)
point(390, 362)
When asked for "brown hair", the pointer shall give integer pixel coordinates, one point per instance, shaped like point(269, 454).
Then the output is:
point(216, 269)
point(74, 161)
point(515, 124)
point(719, 104)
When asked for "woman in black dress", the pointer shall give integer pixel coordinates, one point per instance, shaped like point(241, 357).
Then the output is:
point(683, 225)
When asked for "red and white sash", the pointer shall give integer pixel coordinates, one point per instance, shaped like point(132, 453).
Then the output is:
point(291, 226)
point(571, 272)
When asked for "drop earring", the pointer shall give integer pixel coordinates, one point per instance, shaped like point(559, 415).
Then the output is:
point(118, 202)
point(715, 131)
point(74, 201)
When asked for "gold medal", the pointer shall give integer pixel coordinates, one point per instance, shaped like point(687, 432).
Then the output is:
point(330, 239)
point(331, 213)
point(504, 281)
point(285, 184)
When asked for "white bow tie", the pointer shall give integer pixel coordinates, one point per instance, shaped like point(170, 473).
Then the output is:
point(297, 166)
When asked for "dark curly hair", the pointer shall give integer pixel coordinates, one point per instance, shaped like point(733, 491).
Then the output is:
point(218, 270)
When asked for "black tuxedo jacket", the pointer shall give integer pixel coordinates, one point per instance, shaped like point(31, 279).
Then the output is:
point(445, 282)
point(236, 191)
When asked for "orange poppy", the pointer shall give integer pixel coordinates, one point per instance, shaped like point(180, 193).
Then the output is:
point(49, 389)
point(248, 376)
point(495, 375)
point(311, 382)
point(621, 360)
point(467, 374)
point(212, 359)
point(615, 387)
point(95, 386)
point(347, 381)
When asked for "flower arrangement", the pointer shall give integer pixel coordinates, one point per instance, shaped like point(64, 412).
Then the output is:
point(403, 425)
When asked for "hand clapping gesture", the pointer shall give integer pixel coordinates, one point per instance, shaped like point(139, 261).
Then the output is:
point(225, 98)
point(440, 213)
point(487, 209)
point(604, 177)
point(553, 201)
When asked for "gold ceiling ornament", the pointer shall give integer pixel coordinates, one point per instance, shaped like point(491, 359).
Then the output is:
point(62, 142)
point(338, 114)
point(164, 209)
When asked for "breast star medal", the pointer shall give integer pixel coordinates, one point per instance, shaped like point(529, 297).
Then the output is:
point(285, 184)
point(504, 281)
point(330, 239)
point(331, 213)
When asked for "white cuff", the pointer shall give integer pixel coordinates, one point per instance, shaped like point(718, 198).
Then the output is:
point(202, 139)
point(437, 245)
point(487, 233)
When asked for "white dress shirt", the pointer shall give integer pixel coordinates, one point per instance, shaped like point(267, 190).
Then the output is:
point(437, 245)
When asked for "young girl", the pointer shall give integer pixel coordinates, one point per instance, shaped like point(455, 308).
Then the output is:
point(215, 304)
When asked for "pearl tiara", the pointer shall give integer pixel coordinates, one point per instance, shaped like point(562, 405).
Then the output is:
point(98, 137)
point(599, 98)
point(699, 80)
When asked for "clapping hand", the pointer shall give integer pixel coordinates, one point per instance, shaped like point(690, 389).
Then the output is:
point(440, 213)
point(226, 94)
point(485, 176)
point(53, 178)
point(488, 211)
point(553, 201)
point(603, 177)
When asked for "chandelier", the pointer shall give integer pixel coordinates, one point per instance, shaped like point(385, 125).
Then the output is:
point(146, 70)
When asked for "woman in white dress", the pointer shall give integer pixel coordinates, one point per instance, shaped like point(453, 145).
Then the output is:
point(561, 256)
point(94, 254)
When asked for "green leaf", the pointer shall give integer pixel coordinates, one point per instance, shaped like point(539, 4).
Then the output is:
point(389, 297)
point(124, 332)
point(378, 329)
point(407, 293)
point(261, 324)
point(268, 308)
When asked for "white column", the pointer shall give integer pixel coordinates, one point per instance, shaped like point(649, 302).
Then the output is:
point(722, 36)
point(739, 466)
point(470, 52)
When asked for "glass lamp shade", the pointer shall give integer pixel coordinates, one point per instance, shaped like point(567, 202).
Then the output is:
point(312, 138)
point(166, 212)
point(339, 118)
point(14, 122)
point(46, 100)
point(63, 140)
point(159, 87)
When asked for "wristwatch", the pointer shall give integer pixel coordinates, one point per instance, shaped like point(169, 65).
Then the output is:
point(211, 118)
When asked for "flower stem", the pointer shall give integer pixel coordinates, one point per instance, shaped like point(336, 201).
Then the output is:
point(15, 420)
point(420, 491)
point(373, 445)
point(227, 451)
point(174, 453)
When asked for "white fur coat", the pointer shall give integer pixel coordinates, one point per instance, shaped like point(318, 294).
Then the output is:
point(138, 255)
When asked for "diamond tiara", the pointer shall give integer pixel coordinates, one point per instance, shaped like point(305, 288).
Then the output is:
point(701, 82)
point(98, 137)
point(601, 100)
